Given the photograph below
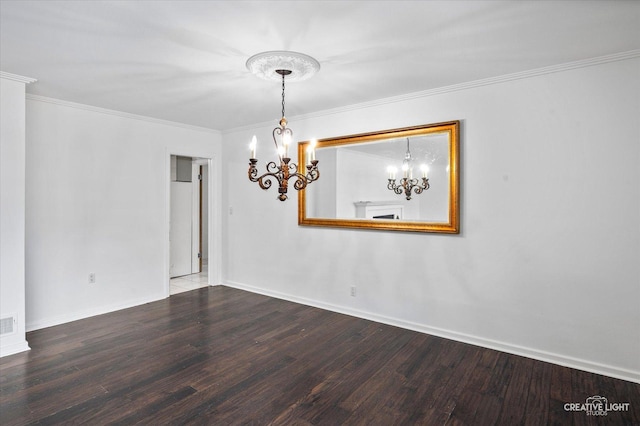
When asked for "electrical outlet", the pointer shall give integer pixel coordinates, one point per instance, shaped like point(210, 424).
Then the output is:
point(353, 291)
point(92, 277)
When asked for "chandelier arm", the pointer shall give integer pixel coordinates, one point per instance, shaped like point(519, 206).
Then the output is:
point(273, 171)
point(264, 181)
point(419, 188)
point(253, 172)
point(313, 175)
point(301, 181)
point(272, 167)
point(398, 189)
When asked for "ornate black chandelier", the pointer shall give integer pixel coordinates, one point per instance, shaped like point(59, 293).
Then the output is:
point(408, 183)
point(283, 64)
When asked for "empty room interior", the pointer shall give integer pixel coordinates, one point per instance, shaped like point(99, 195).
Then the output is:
point(320, 212)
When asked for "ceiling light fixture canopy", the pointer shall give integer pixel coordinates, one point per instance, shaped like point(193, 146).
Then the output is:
point(298, 67)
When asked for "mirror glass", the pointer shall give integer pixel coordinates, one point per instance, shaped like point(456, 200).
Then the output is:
point(358, 174)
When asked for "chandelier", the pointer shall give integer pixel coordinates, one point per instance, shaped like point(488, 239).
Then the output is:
point(408, 183)
point(278, 65)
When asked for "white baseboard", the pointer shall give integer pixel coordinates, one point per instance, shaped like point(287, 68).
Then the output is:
point(563, 360)
point(13, 348)
point(74, 316)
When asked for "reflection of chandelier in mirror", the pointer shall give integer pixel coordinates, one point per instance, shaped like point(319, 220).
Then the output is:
point(408, 183)
point(276, 65)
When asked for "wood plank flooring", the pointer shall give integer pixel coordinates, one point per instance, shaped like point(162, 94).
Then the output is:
point(222, 356)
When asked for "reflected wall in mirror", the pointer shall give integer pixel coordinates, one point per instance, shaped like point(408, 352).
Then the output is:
point(360, 172)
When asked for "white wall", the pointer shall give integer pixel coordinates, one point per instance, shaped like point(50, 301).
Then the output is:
point(547, 261)
point(12, 211)
point(97, 191)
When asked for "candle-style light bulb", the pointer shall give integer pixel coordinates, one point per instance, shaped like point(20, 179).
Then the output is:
point(424, 169)
point(405, 170)
point(309, 154)
point(392, 172)
point(286, 141)
point(252, 146)
point(312, 147)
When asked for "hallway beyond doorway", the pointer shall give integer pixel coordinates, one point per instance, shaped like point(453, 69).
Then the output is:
point(190, 282)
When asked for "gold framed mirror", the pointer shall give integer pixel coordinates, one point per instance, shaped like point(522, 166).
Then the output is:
point(395, 180)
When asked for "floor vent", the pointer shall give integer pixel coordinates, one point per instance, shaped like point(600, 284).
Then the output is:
point(7, 325)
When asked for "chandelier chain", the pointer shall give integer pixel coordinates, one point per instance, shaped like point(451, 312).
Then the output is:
point(282, 95)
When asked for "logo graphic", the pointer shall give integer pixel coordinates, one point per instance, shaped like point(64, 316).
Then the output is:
point(596, 406)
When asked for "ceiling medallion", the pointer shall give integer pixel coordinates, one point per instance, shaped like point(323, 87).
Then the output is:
point(266, 65)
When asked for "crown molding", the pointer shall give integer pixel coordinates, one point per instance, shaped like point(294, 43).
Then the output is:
point(483, 82)
point(99, 110)
point(526, 74)
point(16, 77)
point(457, 87)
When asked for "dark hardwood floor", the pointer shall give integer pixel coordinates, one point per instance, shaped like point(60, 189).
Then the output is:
point(223, 356)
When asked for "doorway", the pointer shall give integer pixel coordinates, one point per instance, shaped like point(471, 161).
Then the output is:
point(188, 224)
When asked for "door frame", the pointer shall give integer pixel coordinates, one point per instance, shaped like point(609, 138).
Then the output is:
point(214, 237)
point(196, 215)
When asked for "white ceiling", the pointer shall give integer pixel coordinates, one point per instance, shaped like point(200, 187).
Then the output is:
point(184, 61)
